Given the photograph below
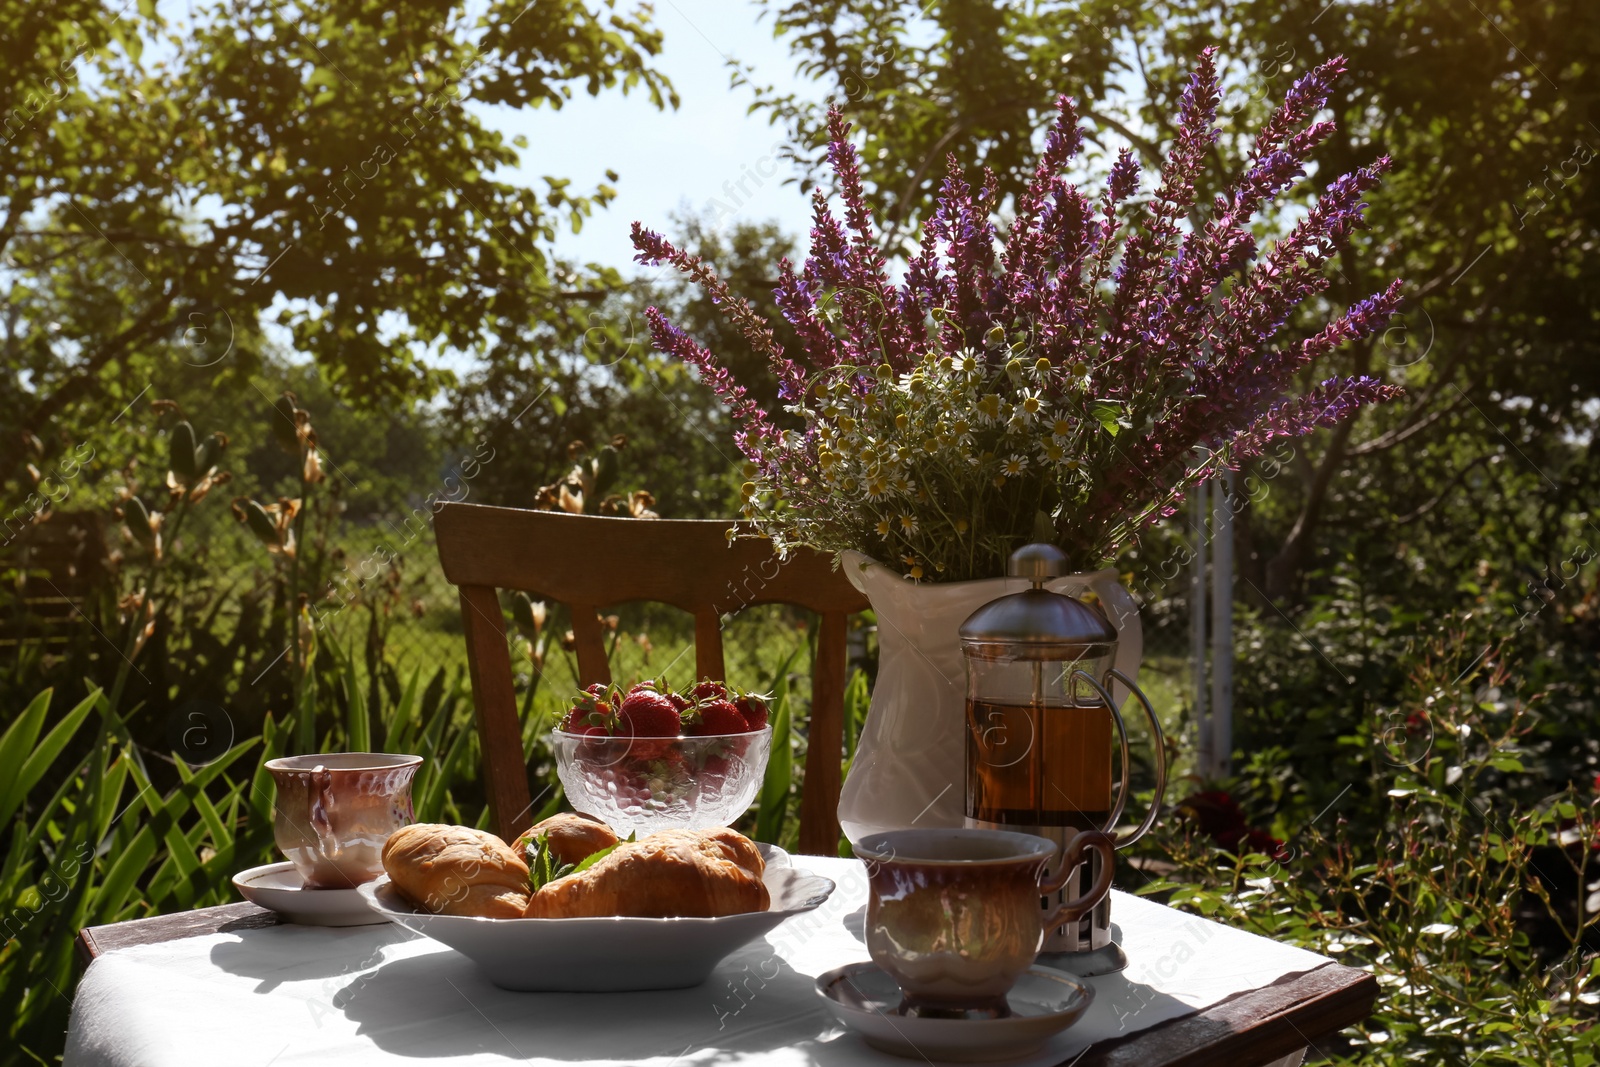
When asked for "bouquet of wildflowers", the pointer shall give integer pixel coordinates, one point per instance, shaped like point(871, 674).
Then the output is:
point(1080, 370)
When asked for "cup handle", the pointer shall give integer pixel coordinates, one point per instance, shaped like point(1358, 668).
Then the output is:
point(1071, 857)
point(322, 810)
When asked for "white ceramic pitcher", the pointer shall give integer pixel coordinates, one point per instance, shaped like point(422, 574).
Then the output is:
point(909, 767)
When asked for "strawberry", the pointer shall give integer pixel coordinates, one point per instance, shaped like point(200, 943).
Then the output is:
point(754, 710)
point(709, 690)
point(681, 702)
point(591, 712)
point(719, 717)
point(647, 715)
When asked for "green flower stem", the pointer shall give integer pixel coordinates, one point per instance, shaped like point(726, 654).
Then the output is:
point(307, 732)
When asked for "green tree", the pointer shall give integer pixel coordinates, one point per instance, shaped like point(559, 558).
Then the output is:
point(170, 191)
point(530, 405)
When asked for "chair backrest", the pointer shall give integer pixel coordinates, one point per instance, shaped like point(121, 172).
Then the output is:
point(588, 563)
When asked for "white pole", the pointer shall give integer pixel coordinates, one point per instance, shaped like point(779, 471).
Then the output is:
point(1197, 630)
point(1222, 625)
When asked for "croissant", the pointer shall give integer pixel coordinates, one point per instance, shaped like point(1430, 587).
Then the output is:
point(454, 870)
point(671, 873)
point(573, 837)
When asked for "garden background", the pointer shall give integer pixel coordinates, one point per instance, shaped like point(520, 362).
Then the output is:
point(313, 228)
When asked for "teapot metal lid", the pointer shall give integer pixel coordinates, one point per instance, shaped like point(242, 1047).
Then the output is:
point(1037, 624)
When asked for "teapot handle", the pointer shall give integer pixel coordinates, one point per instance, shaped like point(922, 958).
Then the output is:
point(1160, 743)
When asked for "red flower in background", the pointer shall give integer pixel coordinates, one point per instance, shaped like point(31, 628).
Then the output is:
point(1216, 814)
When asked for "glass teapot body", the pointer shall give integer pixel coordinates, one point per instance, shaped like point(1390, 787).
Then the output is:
point(1039, 742)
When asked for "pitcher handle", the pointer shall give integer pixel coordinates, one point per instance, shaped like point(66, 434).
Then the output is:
point(1071, 857)
point(1121, 801)
point(1161, 759)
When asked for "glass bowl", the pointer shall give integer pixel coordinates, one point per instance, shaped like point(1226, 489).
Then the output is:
point(644, 784)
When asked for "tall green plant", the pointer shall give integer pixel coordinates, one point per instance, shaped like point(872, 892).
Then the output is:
point(105, 844)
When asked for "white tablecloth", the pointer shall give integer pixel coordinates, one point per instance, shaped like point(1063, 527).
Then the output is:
point(290, 995)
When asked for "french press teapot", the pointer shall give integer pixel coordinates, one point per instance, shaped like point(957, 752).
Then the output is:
point(1040, 715)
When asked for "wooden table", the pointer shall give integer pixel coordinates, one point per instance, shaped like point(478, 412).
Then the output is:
point(1268, 1026)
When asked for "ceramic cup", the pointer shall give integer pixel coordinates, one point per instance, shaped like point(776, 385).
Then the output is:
point(335, 810)
point(953, 915)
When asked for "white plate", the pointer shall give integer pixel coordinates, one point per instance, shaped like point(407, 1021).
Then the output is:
point(1043, 1003)
point(278, 887)
point(608, 954)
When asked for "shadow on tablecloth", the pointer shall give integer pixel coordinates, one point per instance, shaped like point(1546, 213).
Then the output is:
point(440, 1005)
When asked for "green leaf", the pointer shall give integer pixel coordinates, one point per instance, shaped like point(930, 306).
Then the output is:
point(181, 453)
point(1109, 414)
point(542, 866)
point(396, 734)
point(15, 746)
point(774, 803)
point(595, 857)
point(43, 755)
point(358, 727)
point(260, 523)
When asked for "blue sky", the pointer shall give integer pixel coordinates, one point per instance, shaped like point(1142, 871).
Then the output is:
point(708, 148)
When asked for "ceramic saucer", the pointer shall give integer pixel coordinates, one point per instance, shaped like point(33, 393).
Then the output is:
point(1043, 1003)
point(278, 887)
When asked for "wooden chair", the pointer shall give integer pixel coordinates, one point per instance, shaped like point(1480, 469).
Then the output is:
point(589, 563)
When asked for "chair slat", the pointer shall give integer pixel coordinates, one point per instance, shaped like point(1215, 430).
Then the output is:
point(591, 646)
point(708, 662)
point(819, 804)
point(494, 702)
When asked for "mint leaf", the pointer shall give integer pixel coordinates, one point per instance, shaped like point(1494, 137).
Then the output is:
point(542, 865)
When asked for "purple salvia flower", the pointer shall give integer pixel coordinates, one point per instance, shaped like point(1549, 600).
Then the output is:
point(655, 249)
point(1139, 280)
point(1329, 404)
point(829, 274)
point(1193, 372)
point(1290, 271)
point(759, 433)
point(1061, 144)
point(797, 299)
point(865, 260)
point(1305, 98)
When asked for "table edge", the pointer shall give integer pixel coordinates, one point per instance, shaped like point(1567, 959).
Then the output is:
point(96, 941)
point(1268, 1023)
